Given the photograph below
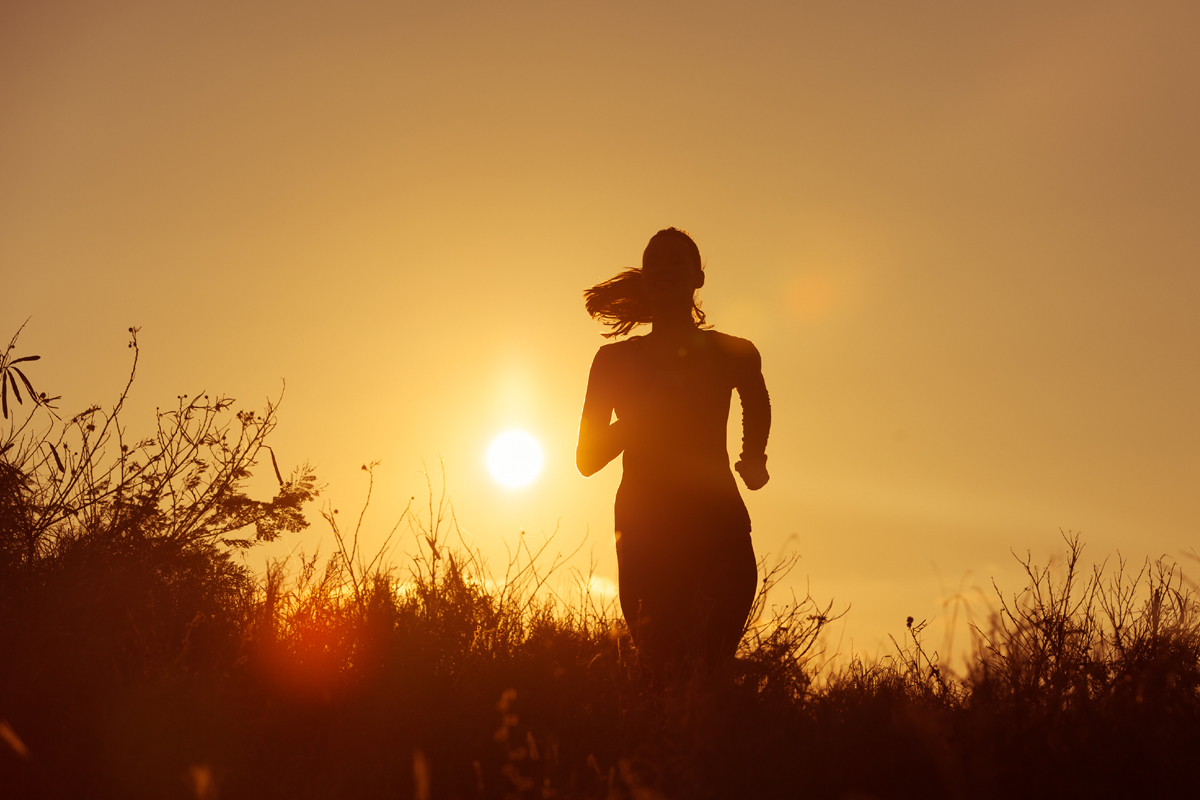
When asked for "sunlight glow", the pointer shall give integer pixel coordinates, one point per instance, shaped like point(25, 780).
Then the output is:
point(514, 459)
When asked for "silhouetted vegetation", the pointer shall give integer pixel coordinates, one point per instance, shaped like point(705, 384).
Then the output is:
point(138, 659)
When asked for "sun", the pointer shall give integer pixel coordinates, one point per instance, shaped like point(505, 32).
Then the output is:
point(514, 459)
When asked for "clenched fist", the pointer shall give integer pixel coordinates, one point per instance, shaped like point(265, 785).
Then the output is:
point(753, 472)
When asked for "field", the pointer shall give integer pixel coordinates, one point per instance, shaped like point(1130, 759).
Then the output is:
point(138, 659)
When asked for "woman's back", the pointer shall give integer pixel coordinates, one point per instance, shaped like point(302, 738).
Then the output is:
point(680, 397)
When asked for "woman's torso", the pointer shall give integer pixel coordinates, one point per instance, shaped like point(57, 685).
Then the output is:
point(676, 474)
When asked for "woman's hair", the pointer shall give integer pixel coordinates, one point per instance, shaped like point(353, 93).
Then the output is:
point(622, 304)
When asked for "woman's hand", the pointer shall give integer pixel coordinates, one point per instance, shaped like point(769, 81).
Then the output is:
point(753, 472)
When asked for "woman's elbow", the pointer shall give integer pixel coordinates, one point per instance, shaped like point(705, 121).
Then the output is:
point(597, 447)
point(586, 463)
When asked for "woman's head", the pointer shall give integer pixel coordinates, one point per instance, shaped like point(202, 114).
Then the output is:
point(671, 273)
point(671, 270)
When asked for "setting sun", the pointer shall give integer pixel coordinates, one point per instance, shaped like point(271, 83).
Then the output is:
point(514, 459)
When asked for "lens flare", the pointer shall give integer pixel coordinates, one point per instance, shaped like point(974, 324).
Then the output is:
point(514, 459)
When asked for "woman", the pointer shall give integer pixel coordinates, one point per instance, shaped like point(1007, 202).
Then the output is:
point(686, 565)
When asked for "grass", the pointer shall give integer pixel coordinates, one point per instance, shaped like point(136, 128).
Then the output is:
point(125, 678)
point(139, 660)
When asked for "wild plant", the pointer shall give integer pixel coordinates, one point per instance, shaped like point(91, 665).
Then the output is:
point(1069, 642)
point(778, 653)
point(115, 551)
point(85, 479)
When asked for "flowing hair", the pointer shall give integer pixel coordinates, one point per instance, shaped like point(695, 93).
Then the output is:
point(621, 302)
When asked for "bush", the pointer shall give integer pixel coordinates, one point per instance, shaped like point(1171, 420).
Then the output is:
point(115, 564)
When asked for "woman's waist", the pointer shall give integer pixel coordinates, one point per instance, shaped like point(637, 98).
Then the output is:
point(695, 461)
point(680, 520)
point(657, 493)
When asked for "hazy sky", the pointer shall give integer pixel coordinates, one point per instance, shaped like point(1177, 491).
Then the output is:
point(964, 237)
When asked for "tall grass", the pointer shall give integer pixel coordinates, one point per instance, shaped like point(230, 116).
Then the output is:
point(320, 680)
point(140, 660)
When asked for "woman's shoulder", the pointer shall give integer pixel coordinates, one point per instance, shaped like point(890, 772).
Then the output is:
point(734, 346)
point(619, 351)
point(623, 347)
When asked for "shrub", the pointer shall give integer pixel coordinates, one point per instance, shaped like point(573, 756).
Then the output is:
point(115, 562)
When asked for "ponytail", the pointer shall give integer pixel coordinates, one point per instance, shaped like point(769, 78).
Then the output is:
point(621, 303)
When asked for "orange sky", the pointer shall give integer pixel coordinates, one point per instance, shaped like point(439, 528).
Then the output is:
point(963, 237)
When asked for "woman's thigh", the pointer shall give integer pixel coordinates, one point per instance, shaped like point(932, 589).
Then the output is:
point(687, 592)
point(729, 581)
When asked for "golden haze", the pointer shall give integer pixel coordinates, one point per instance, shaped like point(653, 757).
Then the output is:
point(963, 239)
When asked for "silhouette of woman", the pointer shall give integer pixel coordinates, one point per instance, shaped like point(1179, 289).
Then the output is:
point(686, 565)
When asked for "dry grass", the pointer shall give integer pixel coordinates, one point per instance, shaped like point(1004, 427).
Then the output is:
point(137, 659)
point(430, 678)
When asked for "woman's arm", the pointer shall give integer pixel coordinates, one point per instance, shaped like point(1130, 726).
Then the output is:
point(756, 420)
point(600, 439)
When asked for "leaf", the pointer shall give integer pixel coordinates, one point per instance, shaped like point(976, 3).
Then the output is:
point(32, 394)
point(275, 464)
point(16, 392)
point(6, 448)
point(4, 393)
point(24, 358)
point(57, 460)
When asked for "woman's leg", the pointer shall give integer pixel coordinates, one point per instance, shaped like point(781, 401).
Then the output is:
point(725, 596)
point(686, 600)
point(653, 598)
